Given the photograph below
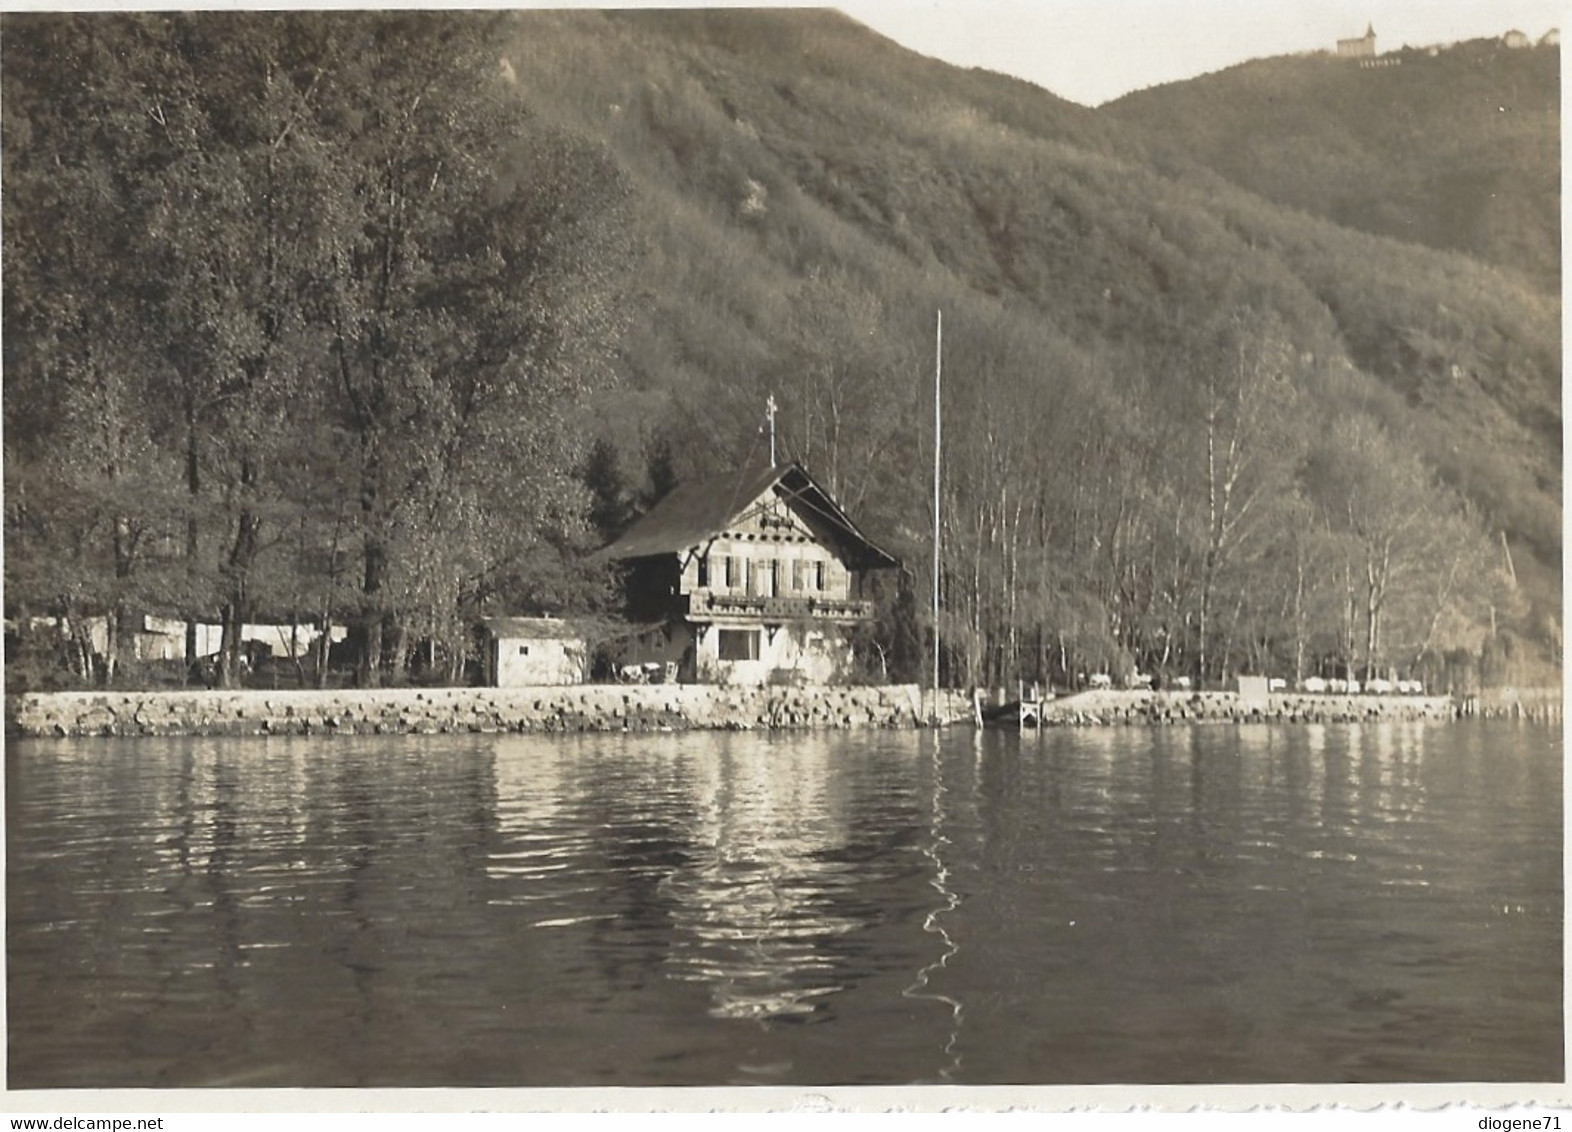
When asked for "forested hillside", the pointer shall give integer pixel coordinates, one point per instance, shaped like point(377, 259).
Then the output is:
point(1459, 149)
point(392, 336)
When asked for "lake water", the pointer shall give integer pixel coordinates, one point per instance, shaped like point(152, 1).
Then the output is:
point(1353, 903)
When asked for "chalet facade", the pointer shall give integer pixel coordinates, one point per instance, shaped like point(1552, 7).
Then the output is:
point(753, 577)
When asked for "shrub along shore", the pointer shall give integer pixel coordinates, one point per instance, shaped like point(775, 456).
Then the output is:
point(582, 708)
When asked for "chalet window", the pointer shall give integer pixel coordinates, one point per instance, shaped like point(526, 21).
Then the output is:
point(733, 565)
point(796, 573)
point(816, 576)
point(738, 644)
point(704, 570)
point(523, 650)
point(767, 578)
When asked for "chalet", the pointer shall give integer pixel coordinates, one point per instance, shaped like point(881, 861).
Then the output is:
point(522, 652)
point(751, 577)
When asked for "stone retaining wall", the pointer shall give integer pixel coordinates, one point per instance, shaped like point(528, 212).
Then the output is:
point(448, 710)
point(1090, 708)
point(654, 707)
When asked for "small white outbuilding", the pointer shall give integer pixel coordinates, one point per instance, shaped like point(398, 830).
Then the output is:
point(523, 652)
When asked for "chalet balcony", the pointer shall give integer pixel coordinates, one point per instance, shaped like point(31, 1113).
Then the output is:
point(703, 605)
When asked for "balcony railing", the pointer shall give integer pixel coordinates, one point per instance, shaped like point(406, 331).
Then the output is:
point(704, 603)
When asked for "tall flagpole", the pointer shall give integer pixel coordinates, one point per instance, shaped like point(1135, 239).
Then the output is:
point(938, 365)
point(769, 408)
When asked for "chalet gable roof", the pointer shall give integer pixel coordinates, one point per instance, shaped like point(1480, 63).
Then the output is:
point(697, 511)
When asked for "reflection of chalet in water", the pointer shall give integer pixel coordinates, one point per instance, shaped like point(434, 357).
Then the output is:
point(748, 578)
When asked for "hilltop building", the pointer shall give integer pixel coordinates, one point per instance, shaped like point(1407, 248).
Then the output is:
point(1515, 39)
point(751, 577)
point(1551, 38)
point(1361, 48)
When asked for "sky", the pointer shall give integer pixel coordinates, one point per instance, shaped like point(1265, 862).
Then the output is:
point(1090, 51)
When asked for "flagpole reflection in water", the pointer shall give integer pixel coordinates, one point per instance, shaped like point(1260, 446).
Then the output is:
point(920, 987)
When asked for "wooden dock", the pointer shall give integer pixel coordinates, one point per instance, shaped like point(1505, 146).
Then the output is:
point(1541, 705)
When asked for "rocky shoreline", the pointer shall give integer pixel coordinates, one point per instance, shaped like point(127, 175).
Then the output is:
point(435, 711)
point(1157, 708)
point(580, 708)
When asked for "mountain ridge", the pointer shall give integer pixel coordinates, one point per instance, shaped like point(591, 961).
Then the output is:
point(1456, 149)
